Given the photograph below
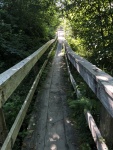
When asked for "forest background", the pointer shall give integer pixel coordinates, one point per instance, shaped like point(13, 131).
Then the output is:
point(25, 25)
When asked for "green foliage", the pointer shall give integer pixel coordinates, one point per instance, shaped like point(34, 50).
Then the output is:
point(87, 101)
point(78, 106)
point(14, 103)
point(25, 26)
point(82, 103)
point(85, 147)
point(91, 24)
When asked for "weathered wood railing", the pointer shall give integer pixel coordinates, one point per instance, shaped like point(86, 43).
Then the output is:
point(9, 81)
point(102, 85)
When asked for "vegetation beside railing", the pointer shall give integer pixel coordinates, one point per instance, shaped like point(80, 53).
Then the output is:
point(87, 100)
point(31, 59)
point(24, 27)
point(94, 81)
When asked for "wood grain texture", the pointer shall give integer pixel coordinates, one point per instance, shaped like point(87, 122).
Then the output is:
point(10, 79)
point(100, 82)
point(100, 142)
point(10, 140)
point(73, 82)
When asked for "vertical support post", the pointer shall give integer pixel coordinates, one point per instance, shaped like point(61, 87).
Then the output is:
point(106, 127)
point(35, 68)
point(3, 128)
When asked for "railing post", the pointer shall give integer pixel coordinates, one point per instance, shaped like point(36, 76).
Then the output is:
point(9, 81)
point(3, 128)
point(35, 69)
point(106, 126)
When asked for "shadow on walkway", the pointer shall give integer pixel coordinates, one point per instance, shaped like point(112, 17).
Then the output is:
point(50, 127)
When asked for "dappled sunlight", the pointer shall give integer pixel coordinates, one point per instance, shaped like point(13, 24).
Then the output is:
point(69, 122)
point(78, 68)
point(97, 137)
point(54, 137)
point(50, 119)
point(15, 69)
point(92, 127)
point(51, 140)
point(107, 82)
point(53, 147)
point(109, 87)
point(102, 78)
point(61, 54)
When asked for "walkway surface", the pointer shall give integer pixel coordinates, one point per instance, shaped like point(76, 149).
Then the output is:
point(50, 127)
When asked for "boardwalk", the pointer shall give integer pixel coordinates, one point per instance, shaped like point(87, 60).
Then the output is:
point(50, 127)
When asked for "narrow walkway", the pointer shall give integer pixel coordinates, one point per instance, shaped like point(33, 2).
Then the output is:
point(50, 128)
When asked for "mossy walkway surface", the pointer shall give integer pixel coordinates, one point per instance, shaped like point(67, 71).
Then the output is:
point(50, 127)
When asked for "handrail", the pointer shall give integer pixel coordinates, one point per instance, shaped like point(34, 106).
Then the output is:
point(10, 79)
point(10, 139)
point(100, 82)
point(73, 82)
point(82, 66)
point(99, 140)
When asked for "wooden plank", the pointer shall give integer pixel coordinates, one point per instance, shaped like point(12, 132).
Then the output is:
point(10, 140)
point(100, 82)
point(100, 142)
point(10, 79)
point(3, 128)
point(73, 82)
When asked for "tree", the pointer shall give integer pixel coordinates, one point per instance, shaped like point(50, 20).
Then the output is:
point(25, 25)
point(92, 22)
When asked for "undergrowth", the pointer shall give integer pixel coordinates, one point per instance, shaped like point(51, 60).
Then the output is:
point(23, 131)
point(14, 103)
point(87, 101)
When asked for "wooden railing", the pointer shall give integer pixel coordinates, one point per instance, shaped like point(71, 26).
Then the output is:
point(102, 85)
point(100, 82)
point(9, 81)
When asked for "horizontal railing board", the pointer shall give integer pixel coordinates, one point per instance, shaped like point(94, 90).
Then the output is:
point(73, 82)
point(100, 142)
point(10, 140)
point(10, 79)
point(100, 82)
